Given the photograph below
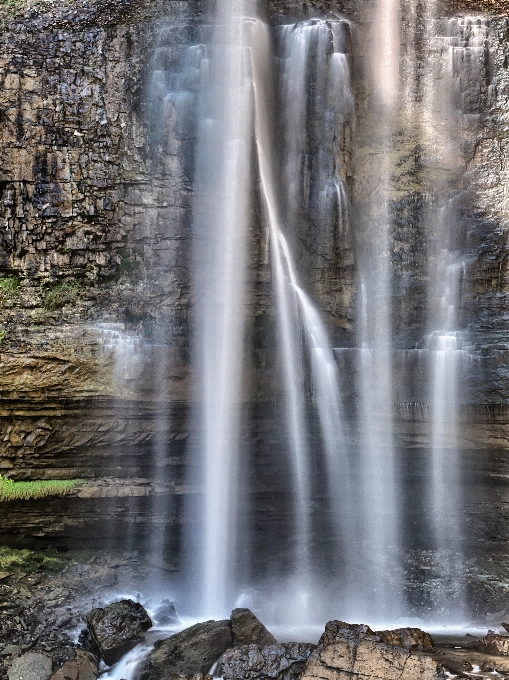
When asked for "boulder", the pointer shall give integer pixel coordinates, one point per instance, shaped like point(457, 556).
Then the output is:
point(248, 630)
point(193, 650)
point(31, 666)
point(84, 667)
point(409, 638)
point(355, 650)
point(493, 643)
point(118, 628)
point(166, 614)
point(272, 662)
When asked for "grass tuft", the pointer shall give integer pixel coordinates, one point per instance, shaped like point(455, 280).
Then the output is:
point(14, 491)
point(60, 294)
point(28, 561)
point(9, 285)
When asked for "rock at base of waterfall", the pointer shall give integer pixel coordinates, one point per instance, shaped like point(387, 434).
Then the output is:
point(31, 667)
point(248, 630)
point(273, 662)
point(118, 628)
point(357, 651)
point(410, 638)
point(166, 614)
point(192, 651)
point(84, 667)
point(493, 643)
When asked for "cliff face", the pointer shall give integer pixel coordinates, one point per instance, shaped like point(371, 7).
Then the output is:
point(95, 230)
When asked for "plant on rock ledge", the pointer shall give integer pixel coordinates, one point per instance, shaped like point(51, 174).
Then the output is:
point(13, 491)
point(58, 295)
point(28, 561)
point(9, 287)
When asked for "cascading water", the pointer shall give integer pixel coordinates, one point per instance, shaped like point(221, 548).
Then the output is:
point(294, 308)
point(379, 524)
point(221, 221)
point(290, 158)
point(458, 58)
point(126, 349)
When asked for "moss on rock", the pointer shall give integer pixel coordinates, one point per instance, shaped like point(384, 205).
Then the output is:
point(28, 561)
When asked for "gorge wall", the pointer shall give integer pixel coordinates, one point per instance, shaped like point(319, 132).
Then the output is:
point(95, 231)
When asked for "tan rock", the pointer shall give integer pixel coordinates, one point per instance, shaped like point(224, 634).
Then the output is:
point(410, 638)
point(347, 651)
point(84, 667)
point(493, 643)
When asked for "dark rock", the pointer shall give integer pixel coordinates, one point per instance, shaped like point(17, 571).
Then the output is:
point(460, 668)
point(254, 662)
point(31, 667)
point(118, 628)
point(194, 650)
point(248, 630)
point(84, 667)
point(505, 626)
point(409, 638)
point(87, 643)
point(166, 613)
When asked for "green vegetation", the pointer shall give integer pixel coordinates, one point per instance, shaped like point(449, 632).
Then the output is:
point(127, 266)
point(13, 4)
point(9, 285)
point(28, 561)
point(13, 491)
point(58, 295)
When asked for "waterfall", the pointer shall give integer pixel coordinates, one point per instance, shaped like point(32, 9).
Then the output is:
point(273, 108)
point(221, 222)
point(294, 306)
point(127, 350)
point(227, 80)
point(458, 59)
point(378, 499)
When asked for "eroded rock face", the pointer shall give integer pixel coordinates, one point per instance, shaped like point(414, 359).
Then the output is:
point(248, 630)
point(273, 662)
point(193, 650)
point(355, 650)
point(118, 628)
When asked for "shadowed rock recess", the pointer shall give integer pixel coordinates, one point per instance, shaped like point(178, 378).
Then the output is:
point(95, 265)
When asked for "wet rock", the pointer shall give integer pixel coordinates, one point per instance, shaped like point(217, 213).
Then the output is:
point(166, 614)
point(10, 650)
point(99, 577)
point(409, 638)
point(191, 651)
point(248, 630)
point(84, 667)
point(351, 649)
point(460, 668)
point(493, 643)
point(118, 628)
point(277, 662)
point(31, 667)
